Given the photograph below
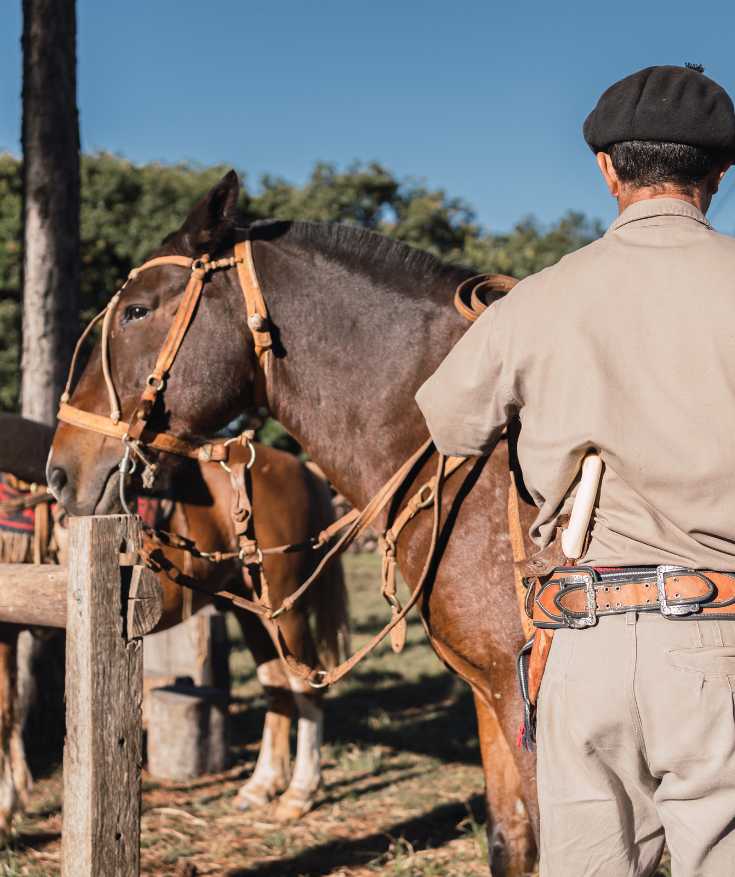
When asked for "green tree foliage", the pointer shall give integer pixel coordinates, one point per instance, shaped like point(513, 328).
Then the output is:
point(128, 209)
point(359, 195)
point(529, 248)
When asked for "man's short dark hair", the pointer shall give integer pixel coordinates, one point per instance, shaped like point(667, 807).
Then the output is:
point(649, 163)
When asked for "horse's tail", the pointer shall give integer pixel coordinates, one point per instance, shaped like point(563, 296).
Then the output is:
point(328, 600)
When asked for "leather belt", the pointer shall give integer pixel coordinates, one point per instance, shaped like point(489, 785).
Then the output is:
point(577, 596)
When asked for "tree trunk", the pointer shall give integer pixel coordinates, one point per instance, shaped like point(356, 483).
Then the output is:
point(50, 203)
point(50, 291)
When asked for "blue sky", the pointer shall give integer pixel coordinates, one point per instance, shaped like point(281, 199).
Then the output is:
point(483, 99)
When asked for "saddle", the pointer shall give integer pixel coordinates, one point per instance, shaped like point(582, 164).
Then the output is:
point(26, 532)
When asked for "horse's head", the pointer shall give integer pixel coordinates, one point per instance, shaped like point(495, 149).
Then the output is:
point(210, 381)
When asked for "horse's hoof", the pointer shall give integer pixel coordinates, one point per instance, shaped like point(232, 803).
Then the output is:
point(253, 796)
point(249, 801)
point(512, 854)
point(293, 804)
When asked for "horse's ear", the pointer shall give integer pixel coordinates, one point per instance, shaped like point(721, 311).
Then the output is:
point(212, 218)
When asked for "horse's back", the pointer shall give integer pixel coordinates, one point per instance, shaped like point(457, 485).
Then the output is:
point(24, 447)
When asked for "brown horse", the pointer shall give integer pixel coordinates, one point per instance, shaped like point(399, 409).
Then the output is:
point(358, 323)
point(292, 501)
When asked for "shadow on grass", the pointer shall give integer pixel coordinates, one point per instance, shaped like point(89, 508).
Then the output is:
point(428, 830)
point(33, 840)
point(433, 716)
point(367, 789)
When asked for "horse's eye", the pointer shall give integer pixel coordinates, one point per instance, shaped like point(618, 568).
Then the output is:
point(134, 312)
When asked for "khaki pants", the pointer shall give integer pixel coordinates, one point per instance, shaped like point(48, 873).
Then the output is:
point(636, 746)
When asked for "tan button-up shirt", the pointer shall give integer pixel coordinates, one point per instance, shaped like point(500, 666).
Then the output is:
point(626, 346)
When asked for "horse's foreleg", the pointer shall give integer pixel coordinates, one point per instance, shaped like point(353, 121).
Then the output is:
point(510, 842)
point(510, 780)
point(272, 769)
point(14, 776)
point(306, 780)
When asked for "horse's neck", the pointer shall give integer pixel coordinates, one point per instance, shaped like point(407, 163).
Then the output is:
point(356, 352)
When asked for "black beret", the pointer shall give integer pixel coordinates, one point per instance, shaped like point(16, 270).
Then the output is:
point(667, 104)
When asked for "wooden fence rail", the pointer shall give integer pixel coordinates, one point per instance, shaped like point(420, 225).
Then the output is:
point(106, 604)
point(33, 594)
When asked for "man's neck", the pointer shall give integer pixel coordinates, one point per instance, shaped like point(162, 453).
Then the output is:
point(630, 196)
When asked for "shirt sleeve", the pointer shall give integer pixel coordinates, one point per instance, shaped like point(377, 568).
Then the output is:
point(473, 394)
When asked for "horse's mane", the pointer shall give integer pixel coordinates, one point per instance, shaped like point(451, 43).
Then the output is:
point(383, 258)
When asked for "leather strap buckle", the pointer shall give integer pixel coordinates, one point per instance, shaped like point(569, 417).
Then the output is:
point(586, 579)
point(665, 606)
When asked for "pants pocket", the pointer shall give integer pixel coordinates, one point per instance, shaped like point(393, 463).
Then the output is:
point(715, 664)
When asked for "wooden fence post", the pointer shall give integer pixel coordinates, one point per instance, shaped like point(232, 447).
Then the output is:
point(104, 691)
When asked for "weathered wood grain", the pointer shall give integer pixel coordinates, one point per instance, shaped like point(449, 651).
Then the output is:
point(33, 594)
point(187, 732)
point(104, 685)
point(145, 602)
point(198, 647)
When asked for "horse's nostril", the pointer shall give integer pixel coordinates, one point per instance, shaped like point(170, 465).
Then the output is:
point(57, 480)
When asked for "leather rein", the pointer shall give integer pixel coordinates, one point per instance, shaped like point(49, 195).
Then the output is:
point(138, 438)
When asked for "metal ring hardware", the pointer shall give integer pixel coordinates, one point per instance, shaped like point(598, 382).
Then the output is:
point(155, 383)
point(242, 554)
point(321, 674)
point(425, 495)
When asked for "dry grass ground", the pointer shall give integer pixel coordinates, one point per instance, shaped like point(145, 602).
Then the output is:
point(402, 784)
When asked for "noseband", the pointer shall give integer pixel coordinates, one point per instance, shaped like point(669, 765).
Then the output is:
point(136, 436)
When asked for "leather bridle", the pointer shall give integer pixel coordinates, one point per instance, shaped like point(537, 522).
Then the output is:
point(136, 435)
point(138, 438)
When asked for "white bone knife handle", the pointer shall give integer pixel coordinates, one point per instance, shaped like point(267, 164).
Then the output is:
point(572, 539)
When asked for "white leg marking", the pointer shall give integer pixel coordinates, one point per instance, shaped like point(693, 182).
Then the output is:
point(272, 769)
point(268, 774)
point(300, 796)
point(308, 768)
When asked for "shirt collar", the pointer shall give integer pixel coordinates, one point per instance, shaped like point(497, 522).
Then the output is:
point(658, 207)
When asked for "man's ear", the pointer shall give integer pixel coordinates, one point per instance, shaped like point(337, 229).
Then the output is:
point(604, 162)
point(717, 177)
point(211, 220)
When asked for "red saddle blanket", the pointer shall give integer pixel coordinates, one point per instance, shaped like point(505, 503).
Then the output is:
point(14, 520)
point(154, 512)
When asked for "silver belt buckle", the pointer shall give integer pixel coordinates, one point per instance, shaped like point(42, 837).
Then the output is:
point(665, 607)
point(590, 619)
